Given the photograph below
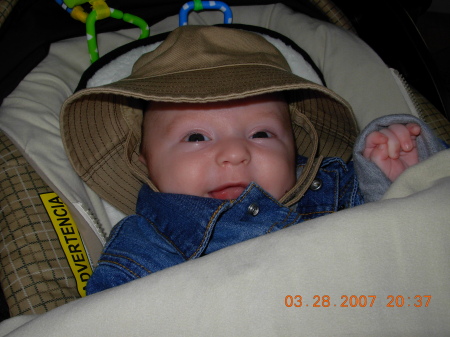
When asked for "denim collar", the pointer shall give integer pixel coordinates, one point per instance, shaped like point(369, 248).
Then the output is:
point(197, 225)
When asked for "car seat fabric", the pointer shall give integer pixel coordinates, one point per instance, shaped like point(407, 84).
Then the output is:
point(35, 273)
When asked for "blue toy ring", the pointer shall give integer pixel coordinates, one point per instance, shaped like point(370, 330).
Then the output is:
point(193, 5)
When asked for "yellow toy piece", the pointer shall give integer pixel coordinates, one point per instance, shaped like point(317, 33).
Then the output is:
point(79, 14)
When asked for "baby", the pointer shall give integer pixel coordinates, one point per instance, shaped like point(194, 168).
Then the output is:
point(229, 147)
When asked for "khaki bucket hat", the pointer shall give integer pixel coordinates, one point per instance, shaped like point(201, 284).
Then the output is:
point(101, 126)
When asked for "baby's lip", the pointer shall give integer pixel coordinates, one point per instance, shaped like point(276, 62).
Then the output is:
point(228, 191)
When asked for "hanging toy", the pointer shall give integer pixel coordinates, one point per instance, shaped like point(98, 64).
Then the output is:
point(197, 6)
point(100, 10)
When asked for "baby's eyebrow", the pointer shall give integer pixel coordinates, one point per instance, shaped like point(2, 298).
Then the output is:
point(157, 120)
point(176, 122)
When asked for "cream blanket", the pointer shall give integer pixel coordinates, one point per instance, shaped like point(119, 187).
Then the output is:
point(395, 249)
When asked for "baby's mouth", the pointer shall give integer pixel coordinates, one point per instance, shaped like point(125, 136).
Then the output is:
point(228, 192)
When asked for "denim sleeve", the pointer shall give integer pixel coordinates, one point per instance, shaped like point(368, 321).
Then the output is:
point(373, 183)
point(108, 275)
point(135, 249)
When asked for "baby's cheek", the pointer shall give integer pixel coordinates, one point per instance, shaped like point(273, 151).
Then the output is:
point(282, 179)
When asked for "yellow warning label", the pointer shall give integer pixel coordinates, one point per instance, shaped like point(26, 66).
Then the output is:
point(70, 239)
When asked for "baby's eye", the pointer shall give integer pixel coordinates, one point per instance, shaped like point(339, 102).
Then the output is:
point(262, 134)
point(196, 137)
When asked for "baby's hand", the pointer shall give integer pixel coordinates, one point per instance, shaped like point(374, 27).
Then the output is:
point(393, 149)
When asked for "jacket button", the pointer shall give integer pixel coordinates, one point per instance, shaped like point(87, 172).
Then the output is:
point(253, 209)
point(316, 185)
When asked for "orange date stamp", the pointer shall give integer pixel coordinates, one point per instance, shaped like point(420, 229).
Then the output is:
point(355, 301)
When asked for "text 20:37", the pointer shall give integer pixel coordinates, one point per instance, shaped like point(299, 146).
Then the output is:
point(362, 301)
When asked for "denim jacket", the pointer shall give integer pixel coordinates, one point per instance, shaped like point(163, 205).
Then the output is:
point(168, 229)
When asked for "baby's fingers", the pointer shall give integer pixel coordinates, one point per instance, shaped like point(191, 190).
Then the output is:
point(405, 135)
point(374, 140)
point(414, 129)
point(393, 142)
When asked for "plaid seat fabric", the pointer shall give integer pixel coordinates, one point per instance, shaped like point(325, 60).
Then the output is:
point(35, 275)
point(6, 6)
point(433, 117)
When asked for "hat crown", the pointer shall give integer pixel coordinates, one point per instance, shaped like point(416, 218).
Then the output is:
point(192, 48)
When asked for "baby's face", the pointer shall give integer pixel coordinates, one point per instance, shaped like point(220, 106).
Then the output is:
point(216, 149)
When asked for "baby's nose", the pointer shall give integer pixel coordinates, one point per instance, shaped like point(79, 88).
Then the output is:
point(233, 152)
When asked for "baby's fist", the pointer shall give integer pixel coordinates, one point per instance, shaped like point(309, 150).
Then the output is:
point(393, 149)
